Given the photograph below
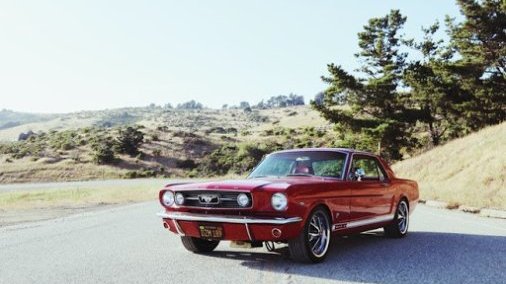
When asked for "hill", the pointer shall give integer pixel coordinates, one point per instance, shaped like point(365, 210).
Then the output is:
point(467, 171)
point(176, 142)
point(10, 119)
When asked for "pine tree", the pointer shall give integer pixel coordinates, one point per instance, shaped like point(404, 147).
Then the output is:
point(370, 105)
point(480, 41)
point(434, 90)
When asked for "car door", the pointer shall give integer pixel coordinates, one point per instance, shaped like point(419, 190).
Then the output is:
point(371, 192)
point(337, 196)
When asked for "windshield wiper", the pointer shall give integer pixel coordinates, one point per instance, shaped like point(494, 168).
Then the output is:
point(300, 174)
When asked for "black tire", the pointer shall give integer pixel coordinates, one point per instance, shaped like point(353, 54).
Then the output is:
point(198, 245)
point(399, 226)
point(302, 248)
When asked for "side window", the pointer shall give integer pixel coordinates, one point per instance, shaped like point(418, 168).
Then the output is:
point(367, 167)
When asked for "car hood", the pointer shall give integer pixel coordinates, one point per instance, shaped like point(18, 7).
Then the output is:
point(250, 184)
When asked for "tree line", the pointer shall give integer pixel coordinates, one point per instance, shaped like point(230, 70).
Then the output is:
point(453, 87)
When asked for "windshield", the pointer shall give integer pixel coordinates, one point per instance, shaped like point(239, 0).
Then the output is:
point(304, 163)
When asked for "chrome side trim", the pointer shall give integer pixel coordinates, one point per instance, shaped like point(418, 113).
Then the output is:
point(247, 231)
point(364, 222)
point(178, 229)
point(182, 216)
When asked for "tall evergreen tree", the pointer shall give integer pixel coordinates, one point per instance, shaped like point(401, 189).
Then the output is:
point(434, 91)
point(480, 42)
point(370, 105)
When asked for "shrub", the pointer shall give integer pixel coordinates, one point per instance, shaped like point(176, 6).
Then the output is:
point(235, 158)
point(219, 130)
point(162, 128)
point(143, 173)
point(186, 164)
point(103, 152)
point(256, 117)
point(268, 132)
point(129, 140)
point(157, 152)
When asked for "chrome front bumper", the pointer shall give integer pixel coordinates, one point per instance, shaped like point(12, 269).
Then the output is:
point(183, 216)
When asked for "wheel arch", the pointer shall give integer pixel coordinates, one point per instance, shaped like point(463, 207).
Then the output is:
point(403, 197)
point(325, 207)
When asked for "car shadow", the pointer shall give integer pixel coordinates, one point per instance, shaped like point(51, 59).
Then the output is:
point(421, 257)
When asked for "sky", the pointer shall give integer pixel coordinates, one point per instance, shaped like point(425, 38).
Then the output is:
point(64, 56)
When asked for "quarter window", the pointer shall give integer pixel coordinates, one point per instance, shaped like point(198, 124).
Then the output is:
point(368, 166)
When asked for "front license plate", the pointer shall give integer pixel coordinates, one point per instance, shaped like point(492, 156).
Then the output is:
point(211, 232)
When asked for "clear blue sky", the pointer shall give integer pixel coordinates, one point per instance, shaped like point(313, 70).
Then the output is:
point(61, 56)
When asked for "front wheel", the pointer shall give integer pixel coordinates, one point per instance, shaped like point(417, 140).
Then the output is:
point(312, 244)
point(199, 245)
point(399, 227)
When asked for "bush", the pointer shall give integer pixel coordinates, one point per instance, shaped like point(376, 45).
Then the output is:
point(245, 133)
point(143, 173)
point(186, 164)
point(238, 159)
point(256, 117)
point(268, 132)
point(103, 152)
point(64, 140)
point(219, 130)
point(157, 152)
point(129, 140)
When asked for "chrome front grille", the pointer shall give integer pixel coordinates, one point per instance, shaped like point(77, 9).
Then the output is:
point(213, 199)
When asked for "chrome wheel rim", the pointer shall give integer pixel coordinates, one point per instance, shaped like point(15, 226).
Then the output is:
point(403, 217)
point(319, 234)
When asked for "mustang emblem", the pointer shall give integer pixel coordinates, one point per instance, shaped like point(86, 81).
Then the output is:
point(209, 199)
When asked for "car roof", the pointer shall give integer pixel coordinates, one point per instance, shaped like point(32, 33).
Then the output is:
point(341, 150)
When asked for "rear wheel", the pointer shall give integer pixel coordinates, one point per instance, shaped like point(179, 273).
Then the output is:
point(399, 227)
point(199, 245)
point(312, 244)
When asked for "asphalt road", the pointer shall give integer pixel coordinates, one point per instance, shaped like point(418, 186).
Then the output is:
point(128, 244)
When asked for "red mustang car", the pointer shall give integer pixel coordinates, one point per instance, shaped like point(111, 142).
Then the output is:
point(301, 197)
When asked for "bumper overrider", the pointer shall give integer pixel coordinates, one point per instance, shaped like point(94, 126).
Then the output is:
point(235, 228)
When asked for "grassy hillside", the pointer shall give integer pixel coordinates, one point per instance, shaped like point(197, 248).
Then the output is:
point(177, 143)
point(467, 171)
point(9, 119)
point(202, 143)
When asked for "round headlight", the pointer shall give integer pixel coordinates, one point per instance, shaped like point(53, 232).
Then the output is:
point(242, 200)
point(279, 201)
point(179, 198)
point(168, 198)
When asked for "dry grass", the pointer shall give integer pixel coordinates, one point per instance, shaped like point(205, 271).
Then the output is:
point(11, 134)
point(302, 116)
point(28, 171)
point(81, 196)
point(468, 171)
